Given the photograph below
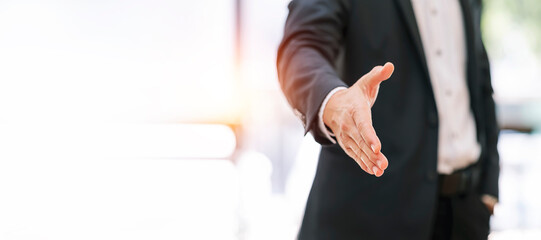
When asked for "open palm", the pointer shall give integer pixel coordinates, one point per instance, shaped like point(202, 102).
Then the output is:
point(348, 114)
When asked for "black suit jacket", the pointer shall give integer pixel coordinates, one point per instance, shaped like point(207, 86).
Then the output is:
point(331, 43)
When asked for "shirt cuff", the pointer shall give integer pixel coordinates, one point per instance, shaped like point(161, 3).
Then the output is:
point(328, 134)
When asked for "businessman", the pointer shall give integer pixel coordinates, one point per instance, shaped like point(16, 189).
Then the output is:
point(398, 93)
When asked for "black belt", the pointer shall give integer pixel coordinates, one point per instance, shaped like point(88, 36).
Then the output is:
point(460, 182)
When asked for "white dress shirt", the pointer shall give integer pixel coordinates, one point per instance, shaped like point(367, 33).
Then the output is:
point(441, 28)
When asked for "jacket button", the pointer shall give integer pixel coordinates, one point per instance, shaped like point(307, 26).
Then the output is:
point(433, 119)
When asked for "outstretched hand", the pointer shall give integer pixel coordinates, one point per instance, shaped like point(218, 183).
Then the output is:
point(348, 115)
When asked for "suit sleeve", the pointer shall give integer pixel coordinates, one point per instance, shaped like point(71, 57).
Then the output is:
point(491, 163)
point(491, 159)
point(313, 37)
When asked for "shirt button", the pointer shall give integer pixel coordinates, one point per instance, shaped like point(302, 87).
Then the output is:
point(438, 52)
point(434, 11)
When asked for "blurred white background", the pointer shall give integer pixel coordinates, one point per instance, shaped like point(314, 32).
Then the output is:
point(142, 120)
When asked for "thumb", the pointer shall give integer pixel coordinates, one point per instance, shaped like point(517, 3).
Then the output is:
point(379, 74)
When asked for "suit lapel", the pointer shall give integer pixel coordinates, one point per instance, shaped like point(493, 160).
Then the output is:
point(471, 65)
point(409, 18)
point(468, 32)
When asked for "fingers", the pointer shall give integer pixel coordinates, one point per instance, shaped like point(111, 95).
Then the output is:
point(387, 71)
point(363, 122)
point(345, 143)
point(359, 161)
point(378, 74)
point(371, 163)
point(369, 136)
point(378, 160)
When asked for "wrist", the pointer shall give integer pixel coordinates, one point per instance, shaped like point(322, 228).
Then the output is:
point(330, 107)
point(323, 129)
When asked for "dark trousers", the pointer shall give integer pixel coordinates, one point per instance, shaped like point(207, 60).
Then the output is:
point(461, 217)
